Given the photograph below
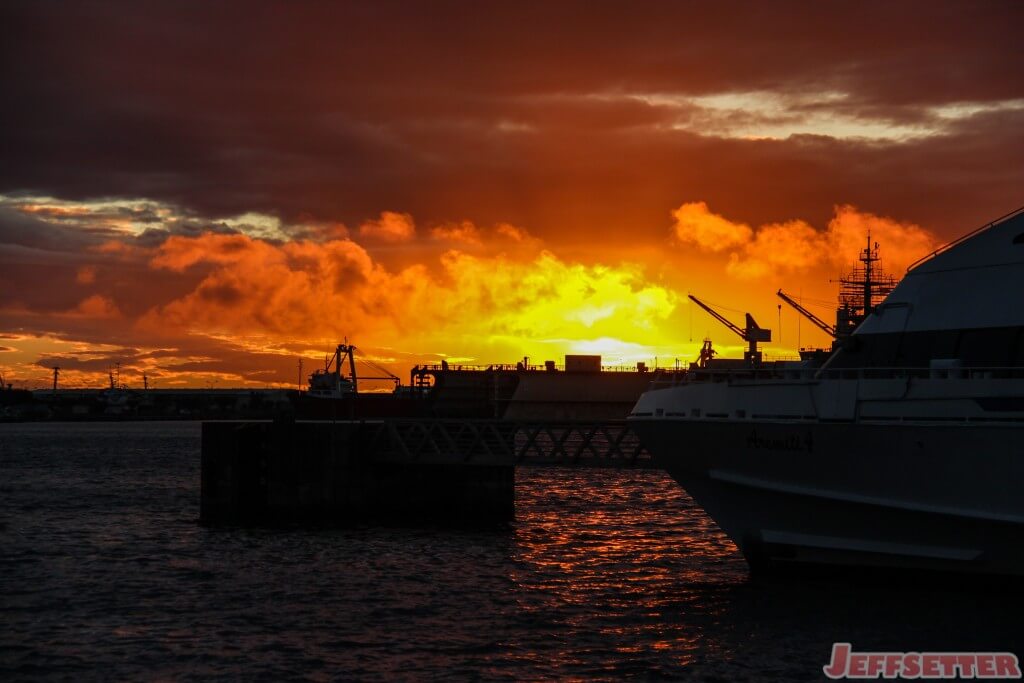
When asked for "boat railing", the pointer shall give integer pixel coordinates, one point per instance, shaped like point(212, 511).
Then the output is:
point(519, 367)
point(924, 373)
point(777, 375)
point(958, 240)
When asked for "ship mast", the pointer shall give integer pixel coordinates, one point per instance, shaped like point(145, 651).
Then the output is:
point(862, 290)
point(868, 257)
point(860, 293)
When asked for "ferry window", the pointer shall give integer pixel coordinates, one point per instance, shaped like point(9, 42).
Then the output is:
point(991, 347)
point(944, 343)
point(916, 349)
point(883, 350)
point(1018, 351)
point(913, 350)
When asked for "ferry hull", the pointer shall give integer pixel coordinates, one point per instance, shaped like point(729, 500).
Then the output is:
point(912, 496)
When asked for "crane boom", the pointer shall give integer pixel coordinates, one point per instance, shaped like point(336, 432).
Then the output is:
point(388, 375)
point(752, 334)
point(828, 329)
point(347, 352)
point(717, 316)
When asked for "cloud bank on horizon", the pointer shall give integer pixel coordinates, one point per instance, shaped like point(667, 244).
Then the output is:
point(204, 193)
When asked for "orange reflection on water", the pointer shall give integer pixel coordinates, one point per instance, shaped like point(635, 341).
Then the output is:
point(621, 556)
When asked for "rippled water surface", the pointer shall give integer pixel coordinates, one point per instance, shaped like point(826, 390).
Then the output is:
point(105, 574)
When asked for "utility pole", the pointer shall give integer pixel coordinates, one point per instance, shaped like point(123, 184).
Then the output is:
point(300, 374)
point(56, 374)
point(798, 321)
point(145, 382)
point(780, 323)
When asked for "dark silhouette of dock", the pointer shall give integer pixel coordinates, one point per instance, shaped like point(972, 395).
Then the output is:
point(405, 469)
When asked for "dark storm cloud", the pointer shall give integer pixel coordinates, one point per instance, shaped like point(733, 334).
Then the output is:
point(186, 227)
point(20, 230)
point(339, 111)
point(42, 265)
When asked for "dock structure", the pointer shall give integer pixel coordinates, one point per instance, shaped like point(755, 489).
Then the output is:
point(405, 469)
point(570, 443)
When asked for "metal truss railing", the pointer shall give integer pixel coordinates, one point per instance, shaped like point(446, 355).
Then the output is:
point(585, 443)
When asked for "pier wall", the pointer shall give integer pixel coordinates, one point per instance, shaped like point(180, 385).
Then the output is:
point(410, 470)
point(335, 472)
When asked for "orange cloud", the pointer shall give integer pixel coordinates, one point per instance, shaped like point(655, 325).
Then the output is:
point(465, 232)
point(255, 286)
point(249, 304)
point(696, 225)
point(494, 306)
point(86, 275)
point(95, 307)
point(178, 253)
point(795, 245)
point(901, 242)
point(501, 236)
point(390, 227)
point(512, 232)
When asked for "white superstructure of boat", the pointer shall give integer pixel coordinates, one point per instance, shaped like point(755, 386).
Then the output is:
point(906, 449)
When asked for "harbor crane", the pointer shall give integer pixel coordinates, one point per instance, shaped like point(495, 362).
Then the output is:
point(332, 380)
point(341, 353)
point(830, 330)
point(752, 333)
point(387, 374)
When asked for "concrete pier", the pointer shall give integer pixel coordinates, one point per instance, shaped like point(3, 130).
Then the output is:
point(336, 472)
point(410, 470)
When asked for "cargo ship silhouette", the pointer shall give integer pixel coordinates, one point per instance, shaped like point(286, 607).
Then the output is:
point(580, 389)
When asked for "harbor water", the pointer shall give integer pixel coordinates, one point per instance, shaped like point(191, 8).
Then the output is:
point(605, 574)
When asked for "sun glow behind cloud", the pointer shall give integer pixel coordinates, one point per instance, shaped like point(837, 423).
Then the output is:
point(239, 304)
point(217, 227)
point(487, 294)
point(476, 305)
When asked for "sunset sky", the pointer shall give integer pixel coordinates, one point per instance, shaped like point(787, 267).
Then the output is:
point(206, 192)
